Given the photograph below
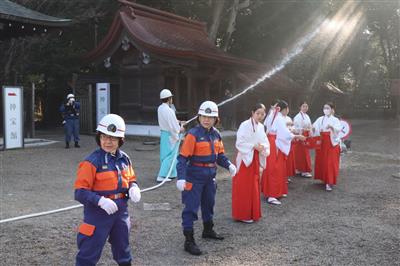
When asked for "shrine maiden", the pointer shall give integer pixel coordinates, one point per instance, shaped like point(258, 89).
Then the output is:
point(253, 148)
point(302, 125)
point(327, 158)
point(275, 184)
point(290, 162)
point(271, 137)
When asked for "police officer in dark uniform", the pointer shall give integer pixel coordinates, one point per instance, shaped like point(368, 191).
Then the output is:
point(70, 113)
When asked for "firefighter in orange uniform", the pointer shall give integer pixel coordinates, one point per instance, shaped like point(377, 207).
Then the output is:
point(105, 181)
point(201, 151)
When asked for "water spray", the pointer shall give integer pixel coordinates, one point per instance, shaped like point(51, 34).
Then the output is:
point(294, 52)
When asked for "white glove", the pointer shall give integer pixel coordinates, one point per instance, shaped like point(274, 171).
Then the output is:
point(180, 184)
point(134, 193)
point(232, 170)
point(108, 205)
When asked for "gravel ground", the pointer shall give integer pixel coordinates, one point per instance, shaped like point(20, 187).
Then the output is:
point(356, 224)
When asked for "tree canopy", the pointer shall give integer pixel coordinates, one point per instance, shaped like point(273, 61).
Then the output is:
point(360, 55)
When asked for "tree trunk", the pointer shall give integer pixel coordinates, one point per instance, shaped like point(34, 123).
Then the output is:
point(218, 7)
point(8, 64)
point(236, 7)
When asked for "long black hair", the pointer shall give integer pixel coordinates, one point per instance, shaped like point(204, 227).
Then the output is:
point(302, 102)
point(258, 106)
point(331, 104)
point(282, 104)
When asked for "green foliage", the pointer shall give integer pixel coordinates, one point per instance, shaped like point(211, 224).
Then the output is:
point(264, 31)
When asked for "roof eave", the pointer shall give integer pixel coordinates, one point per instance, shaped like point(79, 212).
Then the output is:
point(47, 23)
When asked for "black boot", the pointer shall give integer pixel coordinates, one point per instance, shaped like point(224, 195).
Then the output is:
point(77, 145)
point(190, 245)
point(67, 145)
point(125, 264)
point(209, 232)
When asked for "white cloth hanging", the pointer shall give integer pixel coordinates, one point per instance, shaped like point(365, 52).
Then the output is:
point(302, 122)
point(321, 125)
point(250, 134)
point(283, 135)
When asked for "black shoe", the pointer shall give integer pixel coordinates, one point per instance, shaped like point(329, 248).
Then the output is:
point(209, 232)
point(125, 264)
point(67, 145)
point(190, 244)
point(77, 145)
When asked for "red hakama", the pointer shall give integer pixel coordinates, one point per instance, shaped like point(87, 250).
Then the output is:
point(327, 160)
point(290, 162)
point(246, 203)
point(271, 159)
point(274, 179)
point(302, 156)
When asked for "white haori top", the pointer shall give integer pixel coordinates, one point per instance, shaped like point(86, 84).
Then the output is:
point(283, 135)
point(302, 122)
point(249, 134)
point(167, 121)
point(270, 119)
point(322, 123)
point(289, 123)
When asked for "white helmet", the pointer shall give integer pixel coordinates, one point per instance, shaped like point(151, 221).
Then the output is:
point(69, 96)
point(112, 125)
point(165, 93)
point(208, 108)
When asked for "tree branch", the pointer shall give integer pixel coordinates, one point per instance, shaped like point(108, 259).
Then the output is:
point(218, 6)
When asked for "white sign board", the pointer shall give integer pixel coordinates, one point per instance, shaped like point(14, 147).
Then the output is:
point(13, 117)
point(346, 129)
point(102, 100)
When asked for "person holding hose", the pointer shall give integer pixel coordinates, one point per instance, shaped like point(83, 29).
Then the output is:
point(170, 129)
point(201, 152)
point(253, 148)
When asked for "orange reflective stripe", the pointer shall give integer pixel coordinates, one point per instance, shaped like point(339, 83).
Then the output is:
point(86, 229)
point(106, 181)
point(219, 147)
point(202, 149)
point(188, 145)
point(85, 176)
point(132, 177)
point(88, 178)
point(128, 176)
point(125, 183)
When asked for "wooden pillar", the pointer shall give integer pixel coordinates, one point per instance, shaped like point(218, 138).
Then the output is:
point(195, 96)
point(90, 102)
point(207, 90)
point(220, 92)
point(177, 95)
point(190, 104)
point(33, 110)
point(73, 82)
point(234, 91)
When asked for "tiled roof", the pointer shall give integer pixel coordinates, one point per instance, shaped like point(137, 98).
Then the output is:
point(164, 34)
point(167, 35)
point(14, 12)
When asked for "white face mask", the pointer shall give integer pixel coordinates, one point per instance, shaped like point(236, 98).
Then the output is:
point(327, 111)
